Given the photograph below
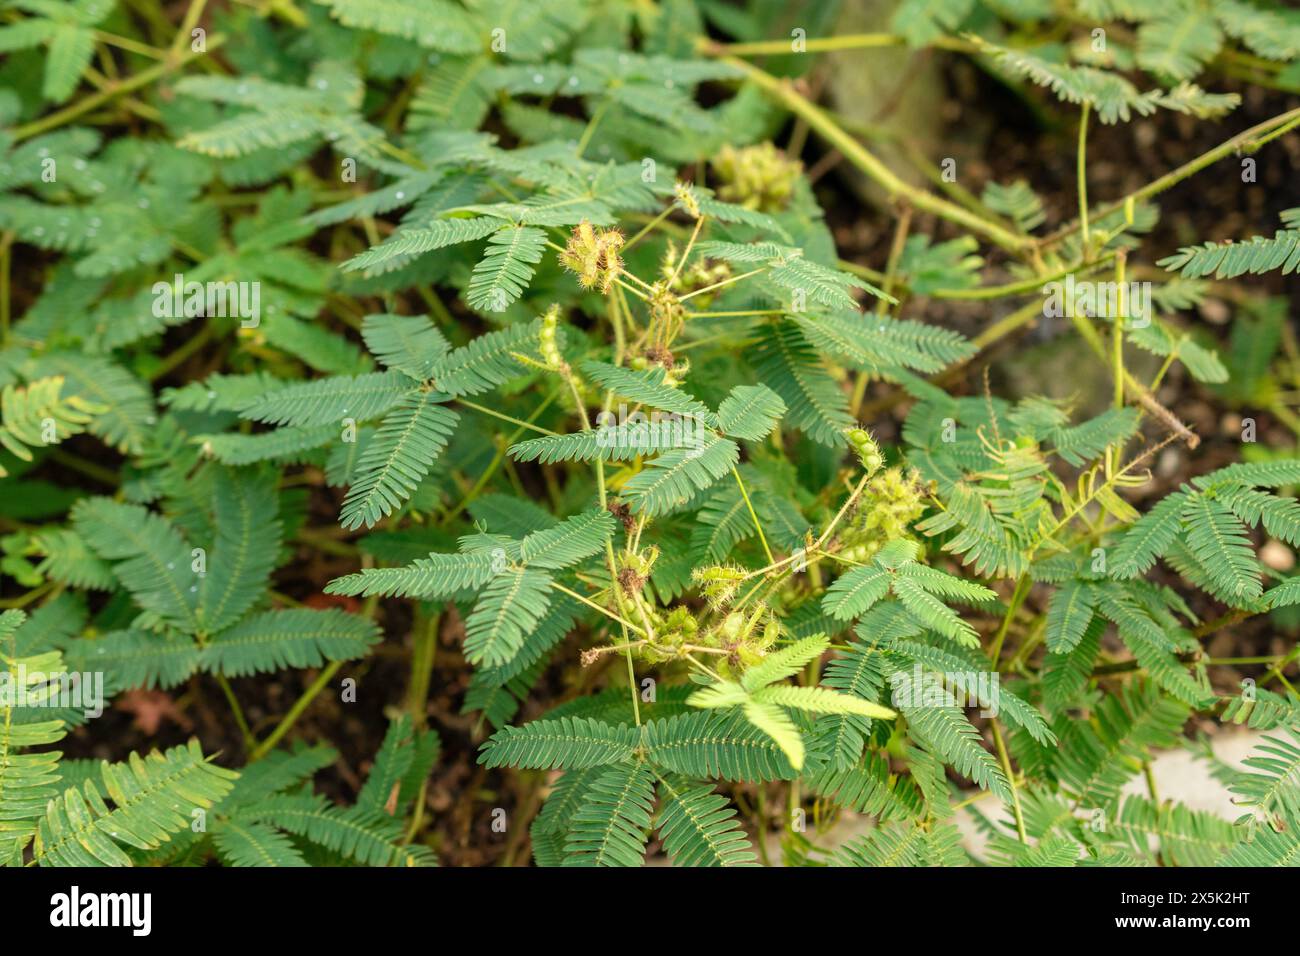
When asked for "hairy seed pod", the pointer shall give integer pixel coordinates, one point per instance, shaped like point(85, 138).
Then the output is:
point(547, 345)
point(867, 450)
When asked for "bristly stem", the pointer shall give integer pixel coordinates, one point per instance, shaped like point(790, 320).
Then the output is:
point(686, 253)
point(1082, 174)
point(719, 285)
point(597, 607)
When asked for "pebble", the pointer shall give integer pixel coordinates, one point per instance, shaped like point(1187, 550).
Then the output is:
point(1215, 311)
point(1277, 556)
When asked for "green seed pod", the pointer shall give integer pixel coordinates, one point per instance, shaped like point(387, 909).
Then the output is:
point(732, 626)
point(719, 583)
point(867, 450)
point(548, 345)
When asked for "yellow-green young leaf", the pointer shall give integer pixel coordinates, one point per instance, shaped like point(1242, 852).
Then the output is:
point(774, 722)
point(140, 803)
point(820, 700)
point(720, 694)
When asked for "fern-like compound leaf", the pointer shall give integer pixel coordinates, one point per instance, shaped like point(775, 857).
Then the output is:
point(611, 825)
point(409, 343)
point(699, 827)
point(298, 637)
point(141, 804)
point(648, 387)
point(671, 479)
point(568, 542)
point(750, 412)
point(707, 745)
point(506, 268)
point(485, 362)
point(149, 557)
point(437, 576)
point(398, 458)
point(564, 743)
point(331, 400)
point(508, 609)
point(245, 515)
point(1220, 541)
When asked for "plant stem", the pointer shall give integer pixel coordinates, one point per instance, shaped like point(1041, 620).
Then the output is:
point(785, 93)
point(505, 418)
point(719, 285)
point(1135, 389)
point(686, 253)
point(891, 272)
point(848, 41)
point(594, 122)
point(131, 46)
point(645, 230)
point(1011, 780)
point(1017, 598)
point(105, 476)
point(189, 347)
point(192, 15)
point(422, 658)
point(1247, 141)
point(758, 525)
point(1083, 180)
point(1033, 284)
point(596, 607)
point(95, 100)
point(300, 705)
point(250, 742)
point(6, 259)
